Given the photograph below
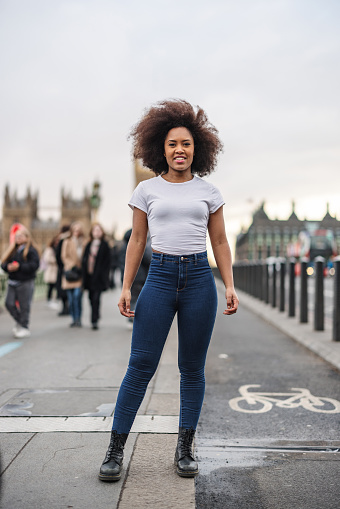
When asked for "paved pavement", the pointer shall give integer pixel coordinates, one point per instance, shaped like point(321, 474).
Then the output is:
point(268, 435)
point(319, 342)
point(58, 390)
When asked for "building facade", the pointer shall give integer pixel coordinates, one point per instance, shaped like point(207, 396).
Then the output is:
point(25, 210)
point(271, 237)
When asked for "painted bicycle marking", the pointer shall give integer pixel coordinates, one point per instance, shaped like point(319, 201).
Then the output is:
point(264, 401)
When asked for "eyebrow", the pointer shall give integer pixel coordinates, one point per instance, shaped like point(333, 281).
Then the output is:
point(188, 139)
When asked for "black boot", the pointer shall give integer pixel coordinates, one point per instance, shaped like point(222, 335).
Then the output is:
point(184, 456)
point(112, 465)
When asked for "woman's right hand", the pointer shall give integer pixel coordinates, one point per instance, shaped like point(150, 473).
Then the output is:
point(13, 267)
point(124, 304)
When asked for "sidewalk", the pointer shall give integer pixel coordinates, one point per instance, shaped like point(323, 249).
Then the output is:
point(58, 390)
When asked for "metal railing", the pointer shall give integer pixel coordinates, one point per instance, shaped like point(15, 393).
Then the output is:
point(267, 280)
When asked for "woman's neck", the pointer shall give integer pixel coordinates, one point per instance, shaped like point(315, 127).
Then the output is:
point(178, 177)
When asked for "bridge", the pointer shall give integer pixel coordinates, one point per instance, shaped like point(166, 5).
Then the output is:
point(58, 392)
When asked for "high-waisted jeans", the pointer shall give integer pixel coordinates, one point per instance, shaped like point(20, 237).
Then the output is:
point(182, 284)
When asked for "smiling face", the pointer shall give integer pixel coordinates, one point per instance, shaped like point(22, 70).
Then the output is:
point(179, 149)
point(20, 237)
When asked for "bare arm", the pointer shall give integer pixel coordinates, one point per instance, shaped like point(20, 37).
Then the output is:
point(134, 255)
point(222, 253)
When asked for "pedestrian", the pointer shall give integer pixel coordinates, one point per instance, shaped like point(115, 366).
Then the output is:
point(177, 142)
point(71, 256)
point(62, 294)
point(96, 270)
point(115, 249)
point(21, 262)
point(142, 272)
point(50, 267)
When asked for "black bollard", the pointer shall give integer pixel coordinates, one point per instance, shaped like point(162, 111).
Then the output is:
point(336, 310)
point(242, 270)
point(282, 284)
point(255, 288)
point(266, 282)
point(260, 279)
point(291, 296)
point(250, 283)
point(248, 280)
point(257, 280)
point(304, 292)
point(253, 278)
point(319, 298)
point(253, 268)
point(274, 284)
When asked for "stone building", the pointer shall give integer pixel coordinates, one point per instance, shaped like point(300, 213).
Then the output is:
point(270, 237)
point(76, 210)
point(26, 211)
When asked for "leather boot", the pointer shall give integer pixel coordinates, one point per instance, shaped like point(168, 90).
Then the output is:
point(112, 465)
point(184, 455)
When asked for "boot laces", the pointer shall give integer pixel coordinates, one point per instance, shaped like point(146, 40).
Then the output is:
point(116, 446)
point(185, 442)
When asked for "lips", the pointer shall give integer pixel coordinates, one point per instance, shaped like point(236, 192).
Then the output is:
point(180, 159)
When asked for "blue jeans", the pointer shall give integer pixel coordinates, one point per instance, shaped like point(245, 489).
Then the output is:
point(74, 298)
point(182, 284)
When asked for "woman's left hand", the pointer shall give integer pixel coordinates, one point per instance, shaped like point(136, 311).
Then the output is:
point(232, 301)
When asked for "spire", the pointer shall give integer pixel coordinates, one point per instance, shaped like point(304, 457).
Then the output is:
point(7, 197)
point(293, 214)
point(260, 212)
point(328, 216)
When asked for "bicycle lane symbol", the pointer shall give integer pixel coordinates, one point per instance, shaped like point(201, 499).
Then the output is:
point(260, 402)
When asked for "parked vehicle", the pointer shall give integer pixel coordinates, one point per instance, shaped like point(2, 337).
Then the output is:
point(320, 242)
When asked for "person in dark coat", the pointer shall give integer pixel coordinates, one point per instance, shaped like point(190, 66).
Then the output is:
point(96, 270)
point(62, 295)
point(21, 262)
point(115, 250)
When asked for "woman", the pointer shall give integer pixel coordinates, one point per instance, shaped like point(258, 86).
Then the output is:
point(96, 270)
point(62, 294)
point(179, 145)
point(71, 255)
point(50, 267)
point(20, 261)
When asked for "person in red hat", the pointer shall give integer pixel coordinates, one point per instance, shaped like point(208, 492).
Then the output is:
point(21, 262)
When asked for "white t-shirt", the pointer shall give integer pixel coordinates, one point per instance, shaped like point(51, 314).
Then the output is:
point(177, 214)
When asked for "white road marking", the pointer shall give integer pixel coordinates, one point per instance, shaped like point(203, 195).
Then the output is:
point(142, 424)
point(264, 401)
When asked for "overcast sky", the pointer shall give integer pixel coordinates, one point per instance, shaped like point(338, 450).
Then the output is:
point(77, 74)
